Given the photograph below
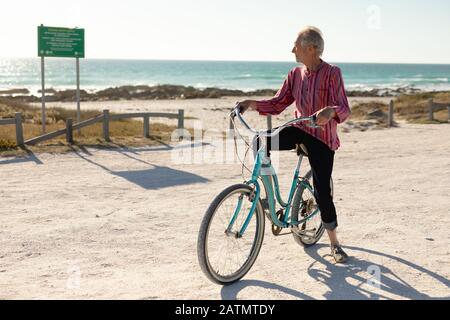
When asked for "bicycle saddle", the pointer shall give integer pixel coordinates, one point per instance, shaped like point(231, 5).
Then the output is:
point(301, 149)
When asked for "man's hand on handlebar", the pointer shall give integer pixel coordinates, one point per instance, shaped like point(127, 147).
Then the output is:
point(246, 105)
point(324, 115)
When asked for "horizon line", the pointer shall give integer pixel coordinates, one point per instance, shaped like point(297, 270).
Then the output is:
point(222, 60)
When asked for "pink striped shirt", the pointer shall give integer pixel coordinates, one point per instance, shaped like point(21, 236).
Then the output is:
point(312, 91)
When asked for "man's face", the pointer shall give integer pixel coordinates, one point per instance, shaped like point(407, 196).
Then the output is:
point(303, 54)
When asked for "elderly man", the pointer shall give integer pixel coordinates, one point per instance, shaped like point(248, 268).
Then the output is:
point(316, 88)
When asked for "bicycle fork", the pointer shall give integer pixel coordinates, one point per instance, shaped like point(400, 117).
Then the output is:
point(254, 198)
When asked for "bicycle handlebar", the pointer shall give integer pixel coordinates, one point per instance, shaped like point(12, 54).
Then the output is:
point(236, 112)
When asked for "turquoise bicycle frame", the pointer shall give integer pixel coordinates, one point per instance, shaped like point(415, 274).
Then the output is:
point(272, 194)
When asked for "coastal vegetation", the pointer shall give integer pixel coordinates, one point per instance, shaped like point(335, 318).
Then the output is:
point(412, 108)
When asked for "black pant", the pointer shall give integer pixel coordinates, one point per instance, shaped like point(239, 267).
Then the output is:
point(321, 159)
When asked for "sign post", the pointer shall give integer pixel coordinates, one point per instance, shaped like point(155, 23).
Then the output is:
point(43, 93)
point(78, 92)
point(64, 43)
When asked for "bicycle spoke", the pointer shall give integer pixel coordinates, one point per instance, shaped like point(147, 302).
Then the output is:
point(227, 254)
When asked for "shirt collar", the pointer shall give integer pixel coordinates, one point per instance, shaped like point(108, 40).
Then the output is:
point(308, 72)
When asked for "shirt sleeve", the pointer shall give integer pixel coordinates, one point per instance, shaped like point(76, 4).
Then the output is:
point(339, 97)
point(282, 99)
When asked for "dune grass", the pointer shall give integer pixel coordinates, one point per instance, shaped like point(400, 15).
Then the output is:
point(411, 108)
point(415, 108)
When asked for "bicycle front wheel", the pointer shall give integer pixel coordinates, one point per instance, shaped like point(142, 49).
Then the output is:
point(225, 258)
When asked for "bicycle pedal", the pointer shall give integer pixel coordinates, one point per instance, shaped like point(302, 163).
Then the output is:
point(276, 230)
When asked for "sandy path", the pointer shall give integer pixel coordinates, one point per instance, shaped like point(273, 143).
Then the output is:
point(124, 224)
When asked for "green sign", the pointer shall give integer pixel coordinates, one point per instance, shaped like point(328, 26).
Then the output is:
point(60, 42)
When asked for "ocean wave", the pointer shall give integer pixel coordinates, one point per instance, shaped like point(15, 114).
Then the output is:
point(422, 79)
point(378, 86)
point(200, 85)
point(392, 86)
point(257, 77)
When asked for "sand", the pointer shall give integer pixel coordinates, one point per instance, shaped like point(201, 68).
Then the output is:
point(123, 224)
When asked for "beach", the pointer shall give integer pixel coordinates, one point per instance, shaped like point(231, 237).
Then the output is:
point(123, 223)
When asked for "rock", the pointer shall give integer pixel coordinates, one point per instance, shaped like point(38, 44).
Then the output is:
point(158, 92)
point(14, 91)
point(48, 91)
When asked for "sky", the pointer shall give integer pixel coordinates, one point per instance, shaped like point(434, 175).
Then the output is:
point(401, 31)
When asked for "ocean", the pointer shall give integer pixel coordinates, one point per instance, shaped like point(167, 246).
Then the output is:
point(98, 74)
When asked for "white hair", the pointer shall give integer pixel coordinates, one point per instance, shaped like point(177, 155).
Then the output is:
point(312, 36)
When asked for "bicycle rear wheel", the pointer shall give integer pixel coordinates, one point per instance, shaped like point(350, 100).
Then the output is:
point(305, 207)
point(223, 257)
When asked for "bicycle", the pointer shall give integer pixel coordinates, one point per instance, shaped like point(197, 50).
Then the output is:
point(237, 215)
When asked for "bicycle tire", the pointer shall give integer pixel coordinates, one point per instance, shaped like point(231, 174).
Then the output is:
point(298, 198)
point(202, 243)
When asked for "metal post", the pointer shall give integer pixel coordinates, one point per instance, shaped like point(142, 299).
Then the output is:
point(106, 125)
point(19, 129)
point(430, 110)
point(69, 134)
point(146, 126)
point(391, 114)
point(269, 122)
point(78, 92)
point(43, 93)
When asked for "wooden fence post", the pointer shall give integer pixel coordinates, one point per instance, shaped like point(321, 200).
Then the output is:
point(106, 125)
point(391, 114)
point(448, 108)
point(180, 119)
point(146, 126)
point(19, 129)
point(269, 122)
point(69, 130)
point(430, 109)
